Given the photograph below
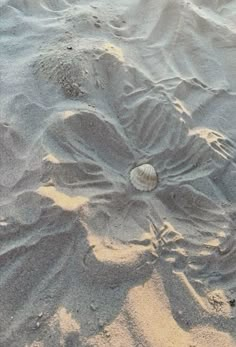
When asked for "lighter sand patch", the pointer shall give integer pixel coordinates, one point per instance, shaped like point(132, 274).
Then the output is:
point(66, 202)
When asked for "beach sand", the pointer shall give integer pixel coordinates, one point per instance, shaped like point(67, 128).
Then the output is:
point(90, 90)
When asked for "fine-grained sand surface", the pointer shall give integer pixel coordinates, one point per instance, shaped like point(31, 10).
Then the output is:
point(88, 91)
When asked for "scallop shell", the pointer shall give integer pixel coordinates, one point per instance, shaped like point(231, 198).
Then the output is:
point(144, 177)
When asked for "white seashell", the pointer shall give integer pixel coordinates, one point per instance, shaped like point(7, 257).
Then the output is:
point(144, 177)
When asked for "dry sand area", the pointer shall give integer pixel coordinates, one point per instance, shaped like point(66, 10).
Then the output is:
point(89, 91)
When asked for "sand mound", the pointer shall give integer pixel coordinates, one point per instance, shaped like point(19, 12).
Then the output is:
point(78, 66)
point(91, 90)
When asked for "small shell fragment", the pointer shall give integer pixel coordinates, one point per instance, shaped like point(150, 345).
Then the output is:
point(144, 177)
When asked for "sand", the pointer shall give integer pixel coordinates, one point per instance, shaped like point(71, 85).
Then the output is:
point(90, 90)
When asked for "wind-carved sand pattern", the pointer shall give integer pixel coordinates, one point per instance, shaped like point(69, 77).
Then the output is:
point(88, 257)
point(143, 127)
point(134, 134)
